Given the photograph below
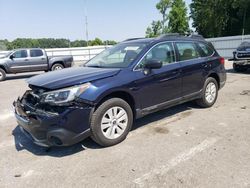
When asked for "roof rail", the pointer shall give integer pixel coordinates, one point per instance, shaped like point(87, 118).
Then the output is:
point(133, 39)
point(167, 35)
point(196, 36)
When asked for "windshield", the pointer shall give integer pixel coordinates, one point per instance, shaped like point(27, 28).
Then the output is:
point(118, 56)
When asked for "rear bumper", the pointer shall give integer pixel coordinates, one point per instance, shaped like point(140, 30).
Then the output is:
point(242, 62)
point(64, 129)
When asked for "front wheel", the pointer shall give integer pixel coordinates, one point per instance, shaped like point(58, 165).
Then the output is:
point(56, 67)
point(2, 75)
point(111, 122)
point(209, 93)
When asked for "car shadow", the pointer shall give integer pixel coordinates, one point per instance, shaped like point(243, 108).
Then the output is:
point(17, 77)
point(24, 143)
point(157, 116)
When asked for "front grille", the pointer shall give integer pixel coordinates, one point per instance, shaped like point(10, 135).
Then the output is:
point(32, 99)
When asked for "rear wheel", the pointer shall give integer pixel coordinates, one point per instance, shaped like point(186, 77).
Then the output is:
point(57, 66)
point(111, 122)
point(2, 75)
point(209, 93)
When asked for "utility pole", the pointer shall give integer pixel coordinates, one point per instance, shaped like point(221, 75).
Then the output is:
point(244, 21)
point(86, 24)
point(87, 32)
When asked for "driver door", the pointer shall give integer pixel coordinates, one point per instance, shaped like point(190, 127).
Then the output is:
point(159, 86)
point(19, 62)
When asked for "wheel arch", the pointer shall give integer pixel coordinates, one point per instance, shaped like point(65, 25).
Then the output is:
point(57, 62)
point(124, 95)
point(2, 67)
point(216, 77)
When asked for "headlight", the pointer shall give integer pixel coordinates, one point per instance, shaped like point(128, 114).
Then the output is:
point(64, 95)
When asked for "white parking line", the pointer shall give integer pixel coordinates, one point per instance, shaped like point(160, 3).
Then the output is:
point(175, 161)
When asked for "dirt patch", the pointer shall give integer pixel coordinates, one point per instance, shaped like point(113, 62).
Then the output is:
point(185, 114)
point(161, 130)
point(245, 92)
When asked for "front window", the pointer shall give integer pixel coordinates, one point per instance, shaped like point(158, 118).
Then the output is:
point(162, 52)
point(20, 54)
point(119, 56)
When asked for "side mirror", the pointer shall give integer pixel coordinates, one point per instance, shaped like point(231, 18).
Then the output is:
point(12, 56)
point(153, 64)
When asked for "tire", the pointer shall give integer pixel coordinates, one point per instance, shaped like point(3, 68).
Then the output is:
point(104, 129)
point(57, 66)
point(2, 75)
point(210, 89)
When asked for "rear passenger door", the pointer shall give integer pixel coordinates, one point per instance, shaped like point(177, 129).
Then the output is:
point(38, 60)
point(192, 68)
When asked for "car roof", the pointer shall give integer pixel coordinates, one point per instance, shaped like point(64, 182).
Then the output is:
point(167, 37)
point(28, 49)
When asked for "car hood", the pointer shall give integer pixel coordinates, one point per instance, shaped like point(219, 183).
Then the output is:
point(2, 59)
point(70, 77)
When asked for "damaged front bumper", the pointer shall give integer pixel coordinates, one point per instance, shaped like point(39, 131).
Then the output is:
point(62, 126)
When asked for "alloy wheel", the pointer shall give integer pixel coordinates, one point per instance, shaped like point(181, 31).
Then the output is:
point(211, 92)
point(114, 122)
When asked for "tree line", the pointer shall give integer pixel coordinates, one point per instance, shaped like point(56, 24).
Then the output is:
point(213, 18)
point(50, 43)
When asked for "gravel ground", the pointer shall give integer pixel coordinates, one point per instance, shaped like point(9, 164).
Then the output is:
point(183, 146)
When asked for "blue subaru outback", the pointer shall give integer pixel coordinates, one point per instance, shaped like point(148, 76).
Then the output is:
point(128, 81)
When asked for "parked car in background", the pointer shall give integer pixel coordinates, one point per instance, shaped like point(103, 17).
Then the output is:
point(30, 60)
point(242, 57)
point(128, 81)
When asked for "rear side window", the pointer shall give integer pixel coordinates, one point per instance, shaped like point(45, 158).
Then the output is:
point(36, 53)
point(20, 54)
point(187, 51)
point(206, 51)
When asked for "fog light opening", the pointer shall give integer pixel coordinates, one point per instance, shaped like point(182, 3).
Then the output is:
point(56, 141)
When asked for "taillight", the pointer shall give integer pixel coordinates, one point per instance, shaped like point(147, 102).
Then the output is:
point(222, 61)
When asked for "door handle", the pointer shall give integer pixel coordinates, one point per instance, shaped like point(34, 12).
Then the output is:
point(43, 59)
point(26, 60)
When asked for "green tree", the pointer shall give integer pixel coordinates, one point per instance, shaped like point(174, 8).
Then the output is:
point(209, 17)
point(178, 20)
point(48, 43)
point(163, 7)
point(154, 30)
point(109, 42)
point(238, 18)
point(218, 18)
point(78, 43)
point(96, 42)
point(4, 44)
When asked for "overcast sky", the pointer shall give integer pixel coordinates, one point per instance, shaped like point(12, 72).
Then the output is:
point(108, 19)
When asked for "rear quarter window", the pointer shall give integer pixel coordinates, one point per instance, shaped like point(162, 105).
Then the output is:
point(205, 50)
